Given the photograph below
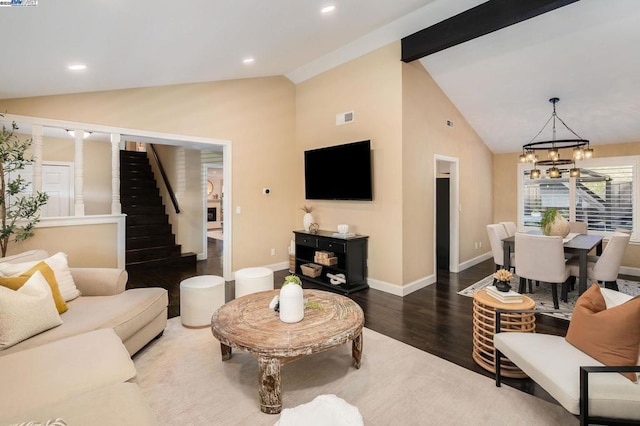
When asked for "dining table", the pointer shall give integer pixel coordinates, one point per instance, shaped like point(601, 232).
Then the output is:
point(580, 245)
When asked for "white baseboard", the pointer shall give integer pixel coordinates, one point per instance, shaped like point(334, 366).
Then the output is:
point(628, 270)
point(401, 290)
point(473, 262)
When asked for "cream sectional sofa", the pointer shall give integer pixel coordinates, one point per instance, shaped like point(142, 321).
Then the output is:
point(136, 315)
point(81, 371)
point(87, 379)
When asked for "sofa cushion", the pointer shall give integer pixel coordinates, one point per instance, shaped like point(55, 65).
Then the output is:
point(612, 336)
point(15, 283)
point(57, 262)
point(126, 313)
point(27, 311)
point(51, 422)
point(117, 404)
point(53, 373)
point(555, 364)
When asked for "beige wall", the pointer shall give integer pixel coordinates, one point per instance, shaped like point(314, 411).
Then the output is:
point(256, 115)
point(371, 87)
point(85, 245)
point(505, 203)
point(403, 112)
point(426, 110)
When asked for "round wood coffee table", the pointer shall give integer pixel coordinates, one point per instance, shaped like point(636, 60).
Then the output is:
point(249, 324)
point(484, 307)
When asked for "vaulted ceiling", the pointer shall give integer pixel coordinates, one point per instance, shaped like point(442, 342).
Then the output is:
point(584, 53)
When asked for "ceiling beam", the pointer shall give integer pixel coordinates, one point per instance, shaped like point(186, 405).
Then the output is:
point(475, 22)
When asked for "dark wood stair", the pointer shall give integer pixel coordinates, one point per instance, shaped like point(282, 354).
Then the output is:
point(149, 238)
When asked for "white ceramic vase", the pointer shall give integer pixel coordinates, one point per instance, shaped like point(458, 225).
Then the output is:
point(307, 220)
point(291, 303)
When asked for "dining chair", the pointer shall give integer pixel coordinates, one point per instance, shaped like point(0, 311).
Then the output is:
point(604, 268)
point(541, 258)
point(623, 230)
point(578, 227)
point(510, 227)
point(497, 233)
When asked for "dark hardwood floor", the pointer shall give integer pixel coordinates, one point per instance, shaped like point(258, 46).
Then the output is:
point(434, 319)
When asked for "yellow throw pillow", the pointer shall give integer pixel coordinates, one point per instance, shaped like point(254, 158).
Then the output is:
point(14, 283)
point(612, 336)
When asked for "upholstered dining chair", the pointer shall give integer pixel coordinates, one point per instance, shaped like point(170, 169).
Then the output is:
point(605, 268)
point(541, 258)
point(623, 231)
point(578, 227)
point(496, 234)
point(510, 227)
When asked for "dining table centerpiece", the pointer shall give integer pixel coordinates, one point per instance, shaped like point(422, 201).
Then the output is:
point(553, 223)
point(502, 280)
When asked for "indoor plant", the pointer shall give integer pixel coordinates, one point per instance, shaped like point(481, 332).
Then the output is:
point(19, 209)
point(553, 223)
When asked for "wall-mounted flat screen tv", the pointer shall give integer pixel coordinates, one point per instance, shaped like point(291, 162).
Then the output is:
point(341, 172)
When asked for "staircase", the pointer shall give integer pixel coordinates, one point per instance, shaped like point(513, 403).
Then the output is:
point(149, 237)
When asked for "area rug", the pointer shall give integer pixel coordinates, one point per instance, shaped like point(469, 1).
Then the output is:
point(543, 297)
point(186, 383)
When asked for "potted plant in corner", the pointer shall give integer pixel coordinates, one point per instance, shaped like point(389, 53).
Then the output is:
point(19, 209)
point(553, 223)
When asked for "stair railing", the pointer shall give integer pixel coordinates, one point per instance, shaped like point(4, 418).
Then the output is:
point(165, 179)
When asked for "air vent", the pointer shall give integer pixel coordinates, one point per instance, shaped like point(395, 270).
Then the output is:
point(344, 118)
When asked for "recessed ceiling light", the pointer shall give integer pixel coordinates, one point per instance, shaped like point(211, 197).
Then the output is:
point(328, 9)
point(248, 61)
point(77, 67)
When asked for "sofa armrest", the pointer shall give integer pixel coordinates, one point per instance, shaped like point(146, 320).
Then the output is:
point(99, 281)
point(587, 419)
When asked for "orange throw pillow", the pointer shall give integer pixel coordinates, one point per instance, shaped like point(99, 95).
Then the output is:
point(612, 336)
point(14, 283)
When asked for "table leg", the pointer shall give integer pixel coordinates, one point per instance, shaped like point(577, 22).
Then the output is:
point(226, 351)
point(582, 279)
point(356, 350)
point(269, 385)
point(506, 253)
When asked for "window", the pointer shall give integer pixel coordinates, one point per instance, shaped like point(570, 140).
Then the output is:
point(605, 195)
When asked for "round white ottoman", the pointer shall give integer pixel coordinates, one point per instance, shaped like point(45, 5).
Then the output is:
point(200, 297)
point(252, 280)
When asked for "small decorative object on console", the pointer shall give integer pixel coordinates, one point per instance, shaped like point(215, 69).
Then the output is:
point(502, 280)
point(311, 270)
point(307, 219)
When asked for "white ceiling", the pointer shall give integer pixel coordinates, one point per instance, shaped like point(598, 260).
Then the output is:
point(584, 53)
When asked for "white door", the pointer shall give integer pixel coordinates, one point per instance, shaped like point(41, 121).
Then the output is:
point(57, 182)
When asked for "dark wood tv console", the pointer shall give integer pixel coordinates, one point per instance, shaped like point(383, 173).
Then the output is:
point(351, 254)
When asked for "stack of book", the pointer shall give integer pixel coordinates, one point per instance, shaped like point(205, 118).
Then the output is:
point(504, 296)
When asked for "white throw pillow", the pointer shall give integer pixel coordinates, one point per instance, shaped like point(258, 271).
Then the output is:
point(57, 262)
point(26, 312)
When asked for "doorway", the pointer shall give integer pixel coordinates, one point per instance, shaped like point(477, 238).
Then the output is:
point(446, 217)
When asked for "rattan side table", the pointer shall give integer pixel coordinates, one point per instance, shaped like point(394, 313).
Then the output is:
point(484, 307)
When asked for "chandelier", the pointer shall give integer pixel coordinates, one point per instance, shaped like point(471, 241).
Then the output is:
point(579, 150)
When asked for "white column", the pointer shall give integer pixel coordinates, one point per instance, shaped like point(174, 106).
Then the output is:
point(116, 207)
point(79, 173)
point(36, 146)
